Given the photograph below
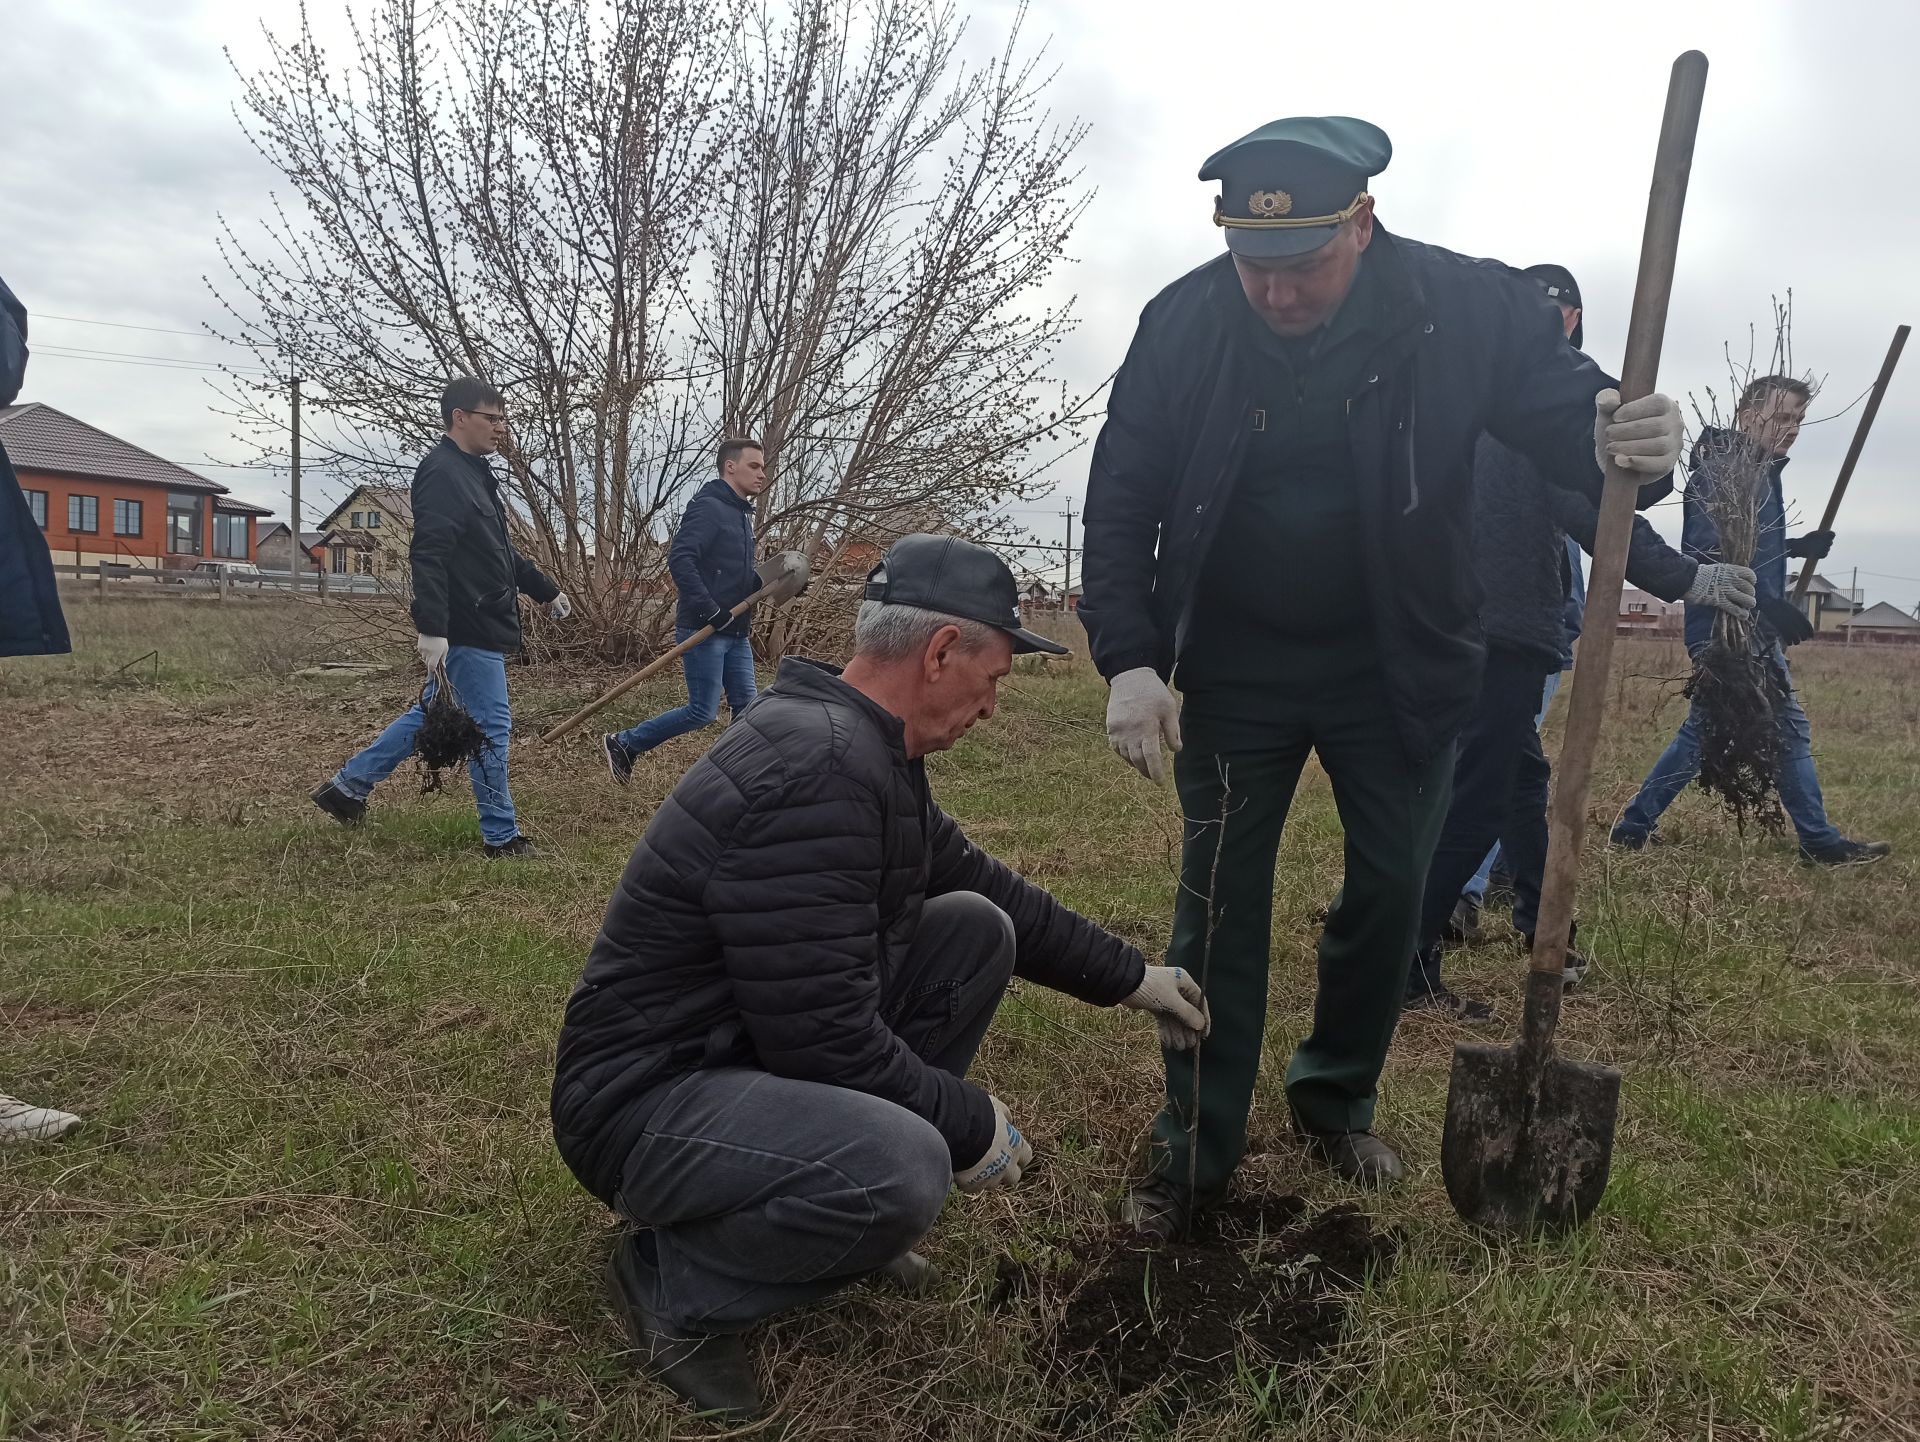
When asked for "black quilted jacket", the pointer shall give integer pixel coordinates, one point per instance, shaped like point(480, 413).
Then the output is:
point(764, 910)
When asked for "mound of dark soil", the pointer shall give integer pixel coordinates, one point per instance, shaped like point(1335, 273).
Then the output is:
point(1261, 1285)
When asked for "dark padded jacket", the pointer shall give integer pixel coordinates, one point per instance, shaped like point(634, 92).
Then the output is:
point(712, 558)
point(1522, 561)
point(763, 913)
point(1716, 455)
point(467, 577)
point(31, 622)
point(1473, 349)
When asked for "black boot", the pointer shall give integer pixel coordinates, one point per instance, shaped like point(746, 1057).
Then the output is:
point(1358, 1157)
point(711, 1370)
point(340, 806)
point(1159, 1210)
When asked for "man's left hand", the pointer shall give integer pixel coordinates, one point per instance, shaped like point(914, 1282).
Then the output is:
point(1814, 544)
point(1177, 1005)
point(560, 607)
point(1641, 436)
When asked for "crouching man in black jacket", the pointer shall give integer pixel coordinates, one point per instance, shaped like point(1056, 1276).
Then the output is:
point(763, 1066)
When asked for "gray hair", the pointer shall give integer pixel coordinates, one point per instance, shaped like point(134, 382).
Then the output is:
point(888, 632)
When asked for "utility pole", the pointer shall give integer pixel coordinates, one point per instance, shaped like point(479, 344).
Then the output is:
point(1066, 591)
point(1853, 604)
point(295, 555)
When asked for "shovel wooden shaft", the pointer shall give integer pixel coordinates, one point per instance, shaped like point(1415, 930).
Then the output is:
point(653, 666)
point(1646, 329)
point(1853, 452)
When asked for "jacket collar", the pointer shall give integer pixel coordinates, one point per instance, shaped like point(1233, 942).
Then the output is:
point(820, 681)
point(718, 487)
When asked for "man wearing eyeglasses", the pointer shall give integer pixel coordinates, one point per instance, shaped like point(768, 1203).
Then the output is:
point(467, 579)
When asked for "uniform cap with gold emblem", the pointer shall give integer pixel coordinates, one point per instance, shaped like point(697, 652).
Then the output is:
point(1286, 188)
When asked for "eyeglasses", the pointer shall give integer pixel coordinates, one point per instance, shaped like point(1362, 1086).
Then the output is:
point(499, 418)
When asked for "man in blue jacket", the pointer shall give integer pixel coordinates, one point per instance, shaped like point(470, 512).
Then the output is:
point(1766, 424)
point(1279, 516)
point(712, 566)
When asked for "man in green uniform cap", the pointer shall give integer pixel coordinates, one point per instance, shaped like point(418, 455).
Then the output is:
point(1279, 520)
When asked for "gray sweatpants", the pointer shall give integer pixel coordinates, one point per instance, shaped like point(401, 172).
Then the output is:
point(760, 1193)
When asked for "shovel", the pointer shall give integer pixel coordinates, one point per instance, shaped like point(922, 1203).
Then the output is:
point(782, 577)
point(1529, 1135)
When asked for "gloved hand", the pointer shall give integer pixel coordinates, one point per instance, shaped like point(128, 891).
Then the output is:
point(1009, 1155)
point(1141, 713)
point(560, 607)
point(719, 620)
point(1723, 587)
point(1786, 619)
point(1814, 544)
point(432, 650)
point(1643, 435)
point(1177, 1005)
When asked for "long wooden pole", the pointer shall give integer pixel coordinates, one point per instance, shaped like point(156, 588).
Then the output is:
point(1646, 329)
point(294, 554)
point(1853, 452)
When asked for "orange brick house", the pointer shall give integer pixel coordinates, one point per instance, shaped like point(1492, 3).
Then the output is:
point(99, 498)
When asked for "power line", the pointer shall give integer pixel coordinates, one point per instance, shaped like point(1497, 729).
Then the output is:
point(125, 325)
point(134, 358)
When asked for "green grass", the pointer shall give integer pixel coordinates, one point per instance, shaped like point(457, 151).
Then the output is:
point(317, 1197)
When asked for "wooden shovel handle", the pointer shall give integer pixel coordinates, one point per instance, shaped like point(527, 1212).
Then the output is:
point(608, 697)
point(1646, 329)
point(1853, 452)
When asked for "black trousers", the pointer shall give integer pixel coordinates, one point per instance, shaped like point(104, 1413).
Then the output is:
point(1495, 748)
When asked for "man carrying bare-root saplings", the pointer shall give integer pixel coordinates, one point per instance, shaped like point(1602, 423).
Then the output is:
point(1279, 519)
point(764, 1066)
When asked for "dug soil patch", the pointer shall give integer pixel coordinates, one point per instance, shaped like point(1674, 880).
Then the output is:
point(1261, 1287)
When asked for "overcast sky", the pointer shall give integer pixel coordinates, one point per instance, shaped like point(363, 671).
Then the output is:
point(1520, 131)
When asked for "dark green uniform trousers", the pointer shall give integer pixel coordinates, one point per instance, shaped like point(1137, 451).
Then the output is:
point(1234, 797)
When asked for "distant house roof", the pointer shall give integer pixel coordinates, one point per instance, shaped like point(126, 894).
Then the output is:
point(40, 438)
point(1884, 616)
point(396, 501)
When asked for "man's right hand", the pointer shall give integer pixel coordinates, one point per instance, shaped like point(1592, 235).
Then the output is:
point(432, 650)
point(1723, 587)
point(1141, 713)
point(1787, 620)
point(719, 620)
point(1006, 1158)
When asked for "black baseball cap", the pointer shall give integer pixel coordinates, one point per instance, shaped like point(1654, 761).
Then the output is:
point(956, 578)
point(1558, 282)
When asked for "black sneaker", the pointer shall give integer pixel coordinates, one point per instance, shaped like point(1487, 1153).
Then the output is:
point(340, 806)
point(508, 850)
point(1847, 853)
point(1627, 839)
point(709, 1369)
point(1449, 1003)
point(1463, 927)
point(618, 761)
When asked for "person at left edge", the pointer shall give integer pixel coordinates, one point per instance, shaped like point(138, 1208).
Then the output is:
point(764, 1065)
point(467, 581)
point(1279, 518)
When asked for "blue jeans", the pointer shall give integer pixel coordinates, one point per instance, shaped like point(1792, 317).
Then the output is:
point(1477, 887)
point(717, 663)
point(479, 679)
point(1799, 785)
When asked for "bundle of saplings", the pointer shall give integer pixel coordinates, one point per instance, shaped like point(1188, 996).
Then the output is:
point(449, 736)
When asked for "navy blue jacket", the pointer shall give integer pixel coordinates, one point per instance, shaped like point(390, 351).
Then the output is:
point(712, 558)
point(763, 919)
point(1715, 453)
point(1473, 348)
point(30, 620)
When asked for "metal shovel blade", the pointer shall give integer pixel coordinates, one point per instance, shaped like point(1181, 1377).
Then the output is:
point(784, 575)
point(1527, 1147)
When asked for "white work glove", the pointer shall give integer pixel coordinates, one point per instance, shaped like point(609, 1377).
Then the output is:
point(560, 607)
point(1177, 1005)
point(433, 651)
point(1009, 1155)
point(1141, 713)
point(1643, 435)
point(1723, 587)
